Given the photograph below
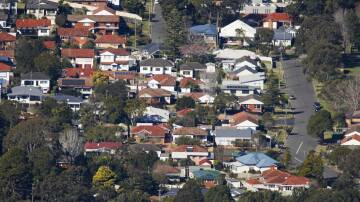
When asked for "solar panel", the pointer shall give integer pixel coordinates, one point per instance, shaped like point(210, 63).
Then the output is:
point(72, 82)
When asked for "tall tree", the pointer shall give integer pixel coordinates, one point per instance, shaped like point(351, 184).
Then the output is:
point(48, 63)
point(71, 143)
point(135, 108)
point(319, 123)
point(26, 50)
point(312, 166)
point(176, 33)
point(190, 192)
point(219, 193)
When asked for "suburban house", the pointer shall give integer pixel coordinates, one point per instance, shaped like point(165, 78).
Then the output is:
point(9, 6)
point(73, 102)
point(26, 94)
point(9, 55)
point(7, 41)
point(192, 132)
point(83, 58)
point(244, 120)
point(110, 41)
point(238, 89)
point(228, 57)
point(192, 69)
point(351, 138)
point(155, 134)
point(183, 112)
point(201, 97)
point(36, 79)
point(77, 36)
point(6, 74)
point(77, 72)
point(102, 147)
point(194, 152)
point(154, 115)
point(228, 136)
point(246, 61)
point(352, 119)
point(116, 60)
point(253, 161)
point(187, 85)
point(236, 32)
point(282, 37)
point(246, 76)
point(100, 24)
point(276, 180)
point(83, 85)
point(33, 27)
point(251, 103)
point(42, 9)
point(163, 81)
point(277, 20)
point(156, 96)
point(156, 66)
point(258, 7)
point(207, 32)
point(95, 3)
point(150, 50)
point(208, 178)
point(146, 148)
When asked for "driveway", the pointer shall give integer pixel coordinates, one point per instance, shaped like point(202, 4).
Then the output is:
point(299, 143)
point(158, 26)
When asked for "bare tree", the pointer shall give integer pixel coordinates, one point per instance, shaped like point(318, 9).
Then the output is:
point(71, 143)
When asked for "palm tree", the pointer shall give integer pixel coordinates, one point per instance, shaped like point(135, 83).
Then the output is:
point(240, 35)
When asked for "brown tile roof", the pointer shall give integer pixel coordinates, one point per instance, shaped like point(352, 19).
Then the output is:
point(49, 45)
point(32, 23)
point(112, 39)
point(278, 17)
point(166, 169)
point(353, 137)
point(121, 75)
point(78, 72)
point(274, 176)
point(165, 79)
point(151, 131)
point(185, 82)
point(5, 68)
point(101, 8)
point(6, 37)
point(190, 131)
point(73, 32)
point(183, 112)
point(7, 53)
point(185, 148)
point(243, 116)
point(195, 95)
point(77, 53)
point(158, 92)
point(96, 18)
point(118, 51)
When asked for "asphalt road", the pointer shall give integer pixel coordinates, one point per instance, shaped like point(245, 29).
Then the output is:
point(158, 26)
point(299, 143)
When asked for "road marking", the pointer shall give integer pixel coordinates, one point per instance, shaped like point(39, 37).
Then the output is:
point(297, 151)
point(298, 160)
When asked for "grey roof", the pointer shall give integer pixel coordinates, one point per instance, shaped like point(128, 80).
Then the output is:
point(282, 35)
point(41, 4)
point(248, 59)
point(25, 90)
point(156, 62)
point(73, 82)
point(192, 66)
point(237, 87)
point(244, 68)
point(232, 132)
point(144, 147)
point(67, 98)
point(35, 76)
point(252, 96)
point(151, 48)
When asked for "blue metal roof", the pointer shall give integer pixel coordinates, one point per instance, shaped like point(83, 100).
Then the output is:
point(258, 159)
point(207, 29)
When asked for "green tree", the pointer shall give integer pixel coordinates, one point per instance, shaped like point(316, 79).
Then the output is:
point(351, 164)
point(319, 123)
point(42, 161)
point(48, 63)
point(184, 140)
point(104, 178)
point(133, 196)
point(222, 101)
point(176, 33)
point(219, 193)
point(26, 50)
point(100, 133)
point(190, 192)
point(135, 108)
point(338, 155)
point(312, 166)
point(60, 20)
point(15, 176)
point(184, 102)
point(261, 196)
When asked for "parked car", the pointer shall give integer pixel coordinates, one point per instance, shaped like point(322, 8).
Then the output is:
point(292, 97)
point(317, 106)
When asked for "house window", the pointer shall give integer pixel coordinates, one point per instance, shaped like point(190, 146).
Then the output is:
point(257, 106)
point(186, 73)
point(43, 82)
point(157, 69)
point(288, 188)
point(245, 91)
point(145, 68)
point(28, 83)
point(44, 31)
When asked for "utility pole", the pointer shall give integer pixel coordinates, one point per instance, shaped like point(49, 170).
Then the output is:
point(135, 34)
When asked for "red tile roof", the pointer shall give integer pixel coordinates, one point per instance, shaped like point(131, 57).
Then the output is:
point(73, 32)
point(5, 68)
point(112, 39)
point(102, 145)
point(32, 23)
point(166, 169)
point(185, 82)
point(190, 131)
point(353, 137)
point(101, 8)
point(6, 37)
point(278, 17)
point(274, 176)
point(253, 181)
point(185, 148)
point(205, 161)
point(183, 112)
point(77, 53)
point(158, 92)
point(118, 51)
point(78, 72)
point(195, 95)
point(49, 45)
point(164, 79)
point(7, 53)
point(151, 131)
point(243, 116)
